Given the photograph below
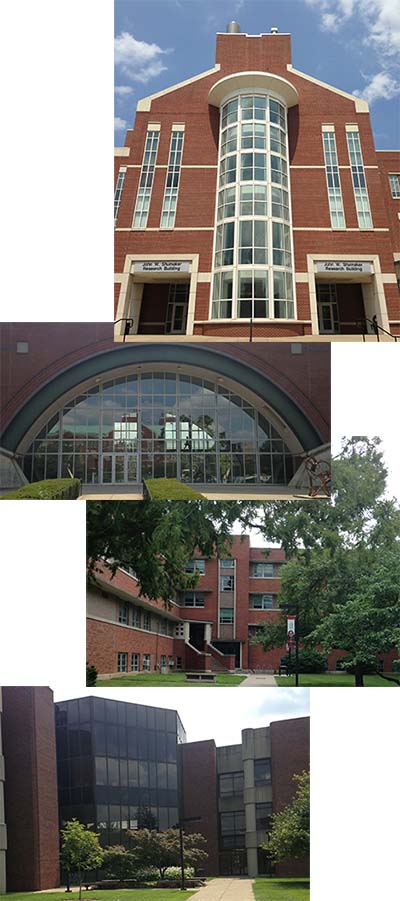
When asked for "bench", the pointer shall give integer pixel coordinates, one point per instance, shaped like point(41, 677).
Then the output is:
point(200, 677)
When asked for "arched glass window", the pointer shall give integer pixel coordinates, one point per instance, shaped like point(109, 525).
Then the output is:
point(253, 265)
point(160, 425)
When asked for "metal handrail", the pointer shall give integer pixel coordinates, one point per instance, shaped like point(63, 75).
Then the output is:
point(128, 325)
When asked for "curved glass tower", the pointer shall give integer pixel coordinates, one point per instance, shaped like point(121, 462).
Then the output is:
point(253, 249)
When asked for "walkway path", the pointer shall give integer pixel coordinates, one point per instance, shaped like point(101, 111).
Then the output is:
point(226, 890)
point(259, 680)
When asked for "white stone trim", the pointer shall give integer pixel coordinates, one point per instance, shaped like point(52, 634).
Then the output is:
point(360, 105)
point(178, 126)
point(154, 126)
point(373, 290)
point(340, 230)
point(122, 151)
point(130, 296)
point(144, 105)
point(253, 80)
point(351, 127)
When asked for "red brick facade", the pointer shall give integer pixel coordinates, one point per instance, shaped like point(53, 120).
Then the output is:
point(30, 789)
point(200, 792)
point(195, 649)
point(313, 234)
point(290, 755)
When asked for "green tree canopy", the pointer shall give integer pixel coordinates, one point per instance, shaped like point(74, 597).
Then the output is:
point(290, 832)
point(157, 538)
point(342, 578)
point(80, 849)
point(162, 850)
point(119, 863)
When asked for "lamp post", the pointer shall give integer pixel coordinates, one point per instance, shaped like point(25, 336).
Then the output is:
point(180, 826)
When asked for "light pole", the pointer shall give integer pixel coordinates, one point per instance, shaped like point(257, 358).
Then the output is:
point(180, 826)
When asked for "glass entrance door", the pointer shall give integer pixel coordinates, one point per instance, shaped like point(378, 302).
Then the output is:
point(328, 312)
point(119, 469)
point(177, 309)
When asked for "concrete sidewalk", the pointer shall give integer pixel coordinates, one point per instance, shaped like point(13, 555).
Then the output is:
point(226, 890)
point(259, 680)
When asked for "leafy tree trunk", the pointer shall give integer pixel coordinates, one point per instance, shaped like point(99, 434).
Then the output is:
point(359, 677)
point(80, 884)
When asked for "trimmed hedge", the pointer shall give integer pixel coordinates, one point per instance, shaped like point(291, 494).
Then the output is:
point(310, 661)
point(169, 489)
point(48, 490)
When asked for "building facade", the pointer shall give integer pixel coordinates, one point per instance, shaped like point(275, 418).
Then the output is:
point(209, 628)
point(30, 850)
point(251, 781)
point(74, 402)
point(116, 762)
point(251, 203)
point(119, 763)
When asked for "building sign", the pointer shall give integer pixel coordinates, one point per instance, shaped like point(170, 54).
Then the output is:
point(162, 266)
point(343, 266)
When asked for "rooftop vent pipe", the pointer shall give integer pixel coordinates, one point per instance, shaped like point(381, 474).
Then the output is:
point(233, 28)
point(274, 30)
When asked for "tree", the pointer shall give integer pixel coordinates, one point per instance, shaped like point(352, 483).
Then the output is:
point(290, 832)
point(157, 538)
point(342, 579)
point(161, 849)
point(145, 818)
point(119, 863)
point(80, 849)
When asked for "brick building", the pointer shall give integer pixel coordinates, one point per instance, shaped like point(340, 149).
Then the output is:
point(29, 845)
point(111, 414)
point(206, 629)
point(117, 760)
point(251, 202)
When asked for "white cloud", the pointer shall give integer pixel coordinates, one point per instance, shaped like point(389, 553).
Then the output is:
point(119, 124)
point(138, 60)
point(381, 86)
point(378, 24)
point(123, 90)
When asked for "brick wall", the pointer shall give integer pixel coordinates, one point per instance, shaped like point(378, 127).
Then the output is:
point(290, 754)
point(310, 208)
point(199, 783)
point(30, 789)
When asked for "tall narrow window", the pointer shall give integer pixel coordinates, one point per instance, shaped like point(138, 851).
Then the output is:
point(253, 268)
point(118, 191)
point(359, 183)
point(146, 180)
point(172, 182)
point(394, 182)
point(333, 180)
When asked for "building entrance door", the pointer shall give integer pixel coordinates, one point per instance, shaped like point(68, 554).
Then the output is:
point(328, 313)
point(233, 862)
point(119, 469)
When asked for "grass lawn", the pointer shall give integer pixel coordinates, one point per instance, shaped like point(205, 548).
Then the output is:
point(170, 681)
point(281, 890)
point(161, 894)
point(335, 680)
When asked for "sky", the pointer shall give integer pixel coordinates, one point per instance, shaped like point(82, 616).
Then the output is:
point(351, 44)
point(200, 709)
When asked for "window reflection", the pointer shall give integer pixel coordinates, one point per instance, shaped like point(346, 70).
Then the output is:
point(173, 425)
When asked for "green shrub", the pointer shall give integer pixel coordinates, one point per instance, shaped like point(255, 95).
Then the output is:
point(396, 666)
point(169, 489)
point(310, 661)
point(175, 873)
point(91, 675)
point(48, 490)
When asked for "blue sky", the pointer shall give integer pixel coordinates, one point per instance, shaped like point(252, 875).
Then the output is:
point(351, 44)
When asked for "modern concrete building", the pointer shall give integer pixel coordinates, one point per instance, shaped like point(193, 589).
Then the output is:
point(120, 762)
point(207, 629)
point(126, 766)
point(224, 418)
point(28, 774)
point(251, 202)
